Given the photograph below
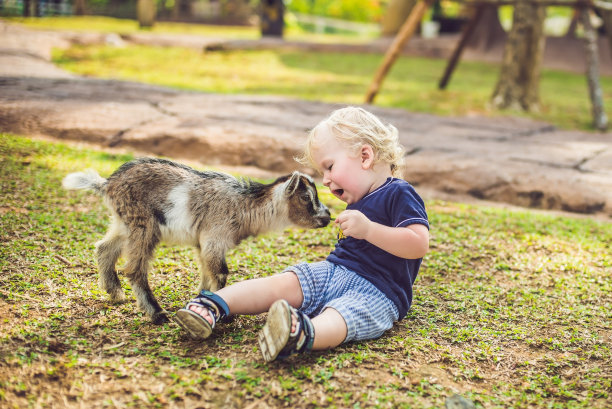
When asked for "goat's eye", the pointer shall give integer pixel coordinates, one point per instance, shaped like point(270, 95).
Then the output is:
point(305, 198)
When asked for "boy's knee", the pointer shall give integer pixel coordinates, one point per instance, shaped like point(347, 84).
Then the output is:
point(330, 329)
point(289, 288)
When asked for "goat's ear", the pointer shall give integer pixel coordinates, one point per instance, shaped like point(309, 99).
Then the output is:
point(292, 184)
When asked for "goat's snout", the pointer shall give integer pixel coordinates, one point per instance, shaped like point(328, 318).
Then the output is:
point(324, 216)
point(302, 201)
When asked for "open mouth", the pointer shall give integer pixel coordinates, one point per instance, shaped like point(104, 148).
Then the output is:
point(338, 192)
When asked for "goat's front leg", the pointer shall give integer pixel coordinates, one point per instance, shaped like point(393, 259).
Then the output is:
point(213, 267)
point(142, 242)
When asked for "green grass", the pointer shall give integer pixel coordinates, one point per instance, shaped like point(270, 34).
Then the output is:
point(512, 308)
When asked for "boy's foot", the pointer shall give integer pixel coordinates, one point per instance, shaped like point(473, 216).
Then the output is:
point(287, 331)
point(201, 314)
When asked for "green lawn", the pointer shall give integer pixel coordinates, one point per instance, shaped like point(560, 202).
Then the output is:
point(512, 308)
point(331, 77)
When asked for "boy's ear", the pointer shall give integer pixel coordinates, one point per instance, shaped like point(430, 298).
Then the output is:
point(367, 156)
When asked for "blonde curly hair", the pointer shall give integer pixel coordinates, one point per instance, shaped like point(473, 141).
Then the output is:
point(356, 127)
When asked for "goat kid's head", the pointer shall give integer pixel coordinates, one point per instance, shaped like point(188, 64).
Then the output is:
point(304, 207)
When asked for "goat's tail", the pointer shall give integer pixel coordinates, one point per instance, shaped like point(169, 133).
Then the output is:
point(84, 180)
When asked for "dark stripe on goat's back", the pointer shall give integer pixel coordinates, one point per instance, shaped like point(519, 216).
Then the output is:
point(127, 166)
point(281, 179)
point(163, 162)
point(255, 190)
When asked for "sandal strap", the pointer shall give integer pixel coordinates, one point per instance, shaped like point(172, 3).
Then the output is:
point(300, 341)
point(214, 303)
point(305, 328)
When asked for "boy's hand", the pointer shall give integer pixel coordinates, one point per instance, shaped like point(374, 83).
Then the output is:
point(409, 242)
point(353, 223)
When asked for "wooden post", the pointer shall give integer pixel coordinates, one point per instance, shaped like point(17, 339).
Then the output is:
point(78, 7)
point(146, 11)
point(272, 20)
point(405, 33)
point(465, 37)
point(600, 120)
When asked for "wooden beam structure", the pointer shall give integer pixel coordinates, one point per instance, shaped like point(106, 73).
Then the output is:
point(416, 15)
point(405, 33)
point(465, 37)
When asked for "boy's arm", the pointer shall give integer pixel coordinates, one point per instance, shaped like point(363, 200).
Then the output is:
point(410, 242)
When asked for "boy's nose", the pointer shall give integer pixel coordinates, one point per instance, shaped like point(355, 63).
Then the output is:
point(326, 179)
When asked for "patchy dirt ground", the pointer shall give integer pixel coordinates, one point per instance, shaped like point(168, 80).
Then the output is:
point(511, 309)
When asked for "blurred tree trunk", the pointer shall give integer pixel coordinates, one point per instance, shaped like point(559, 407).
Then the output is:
point(518, 84)
point(396, 15)
point(606, 16)
point(78, 7)
point(30, 8)
point(146, 11)
point(272, 18)
point(488, 32)
point(600, 120)
point(181, 8)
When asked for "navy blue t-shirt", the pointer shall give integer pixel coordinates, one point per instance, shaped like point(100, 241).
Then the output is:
point(394, 204)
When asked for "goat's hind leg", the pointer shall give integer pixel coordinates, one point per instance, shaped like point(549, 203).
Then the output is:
point(141, 243)
point(108, 251)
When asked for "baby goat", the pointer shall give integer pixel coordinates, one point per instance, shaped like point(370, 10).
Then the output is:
point(154, 200)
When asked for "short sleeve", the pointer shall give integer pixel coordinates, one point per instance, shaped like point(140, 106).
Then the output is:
point(407, 207)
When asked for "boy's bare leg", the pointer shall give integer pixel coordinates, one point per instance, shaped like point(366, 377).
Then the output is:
point(257, 295)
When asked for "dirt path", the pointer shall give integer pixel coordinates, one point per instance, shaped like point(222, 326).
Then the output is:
point(508, 160)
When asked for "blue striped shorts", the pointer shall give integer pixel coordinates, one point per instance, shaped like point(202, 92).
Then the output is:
point(368, 312)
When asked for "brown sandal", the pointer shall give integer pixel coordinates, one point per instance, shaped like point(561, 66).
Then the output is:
point(276, 340)
point(196, 325)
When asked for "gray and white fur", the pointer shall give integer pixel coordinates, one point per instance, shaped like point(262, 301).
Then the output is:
point(155, 200)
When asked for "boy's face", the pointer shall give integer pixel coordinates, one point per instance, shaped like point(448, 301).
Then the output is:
point(345, 173)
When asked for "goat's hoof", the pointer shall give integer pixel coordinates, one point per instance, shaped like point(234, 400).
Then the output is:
point(117, 297)
point(160, 318)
